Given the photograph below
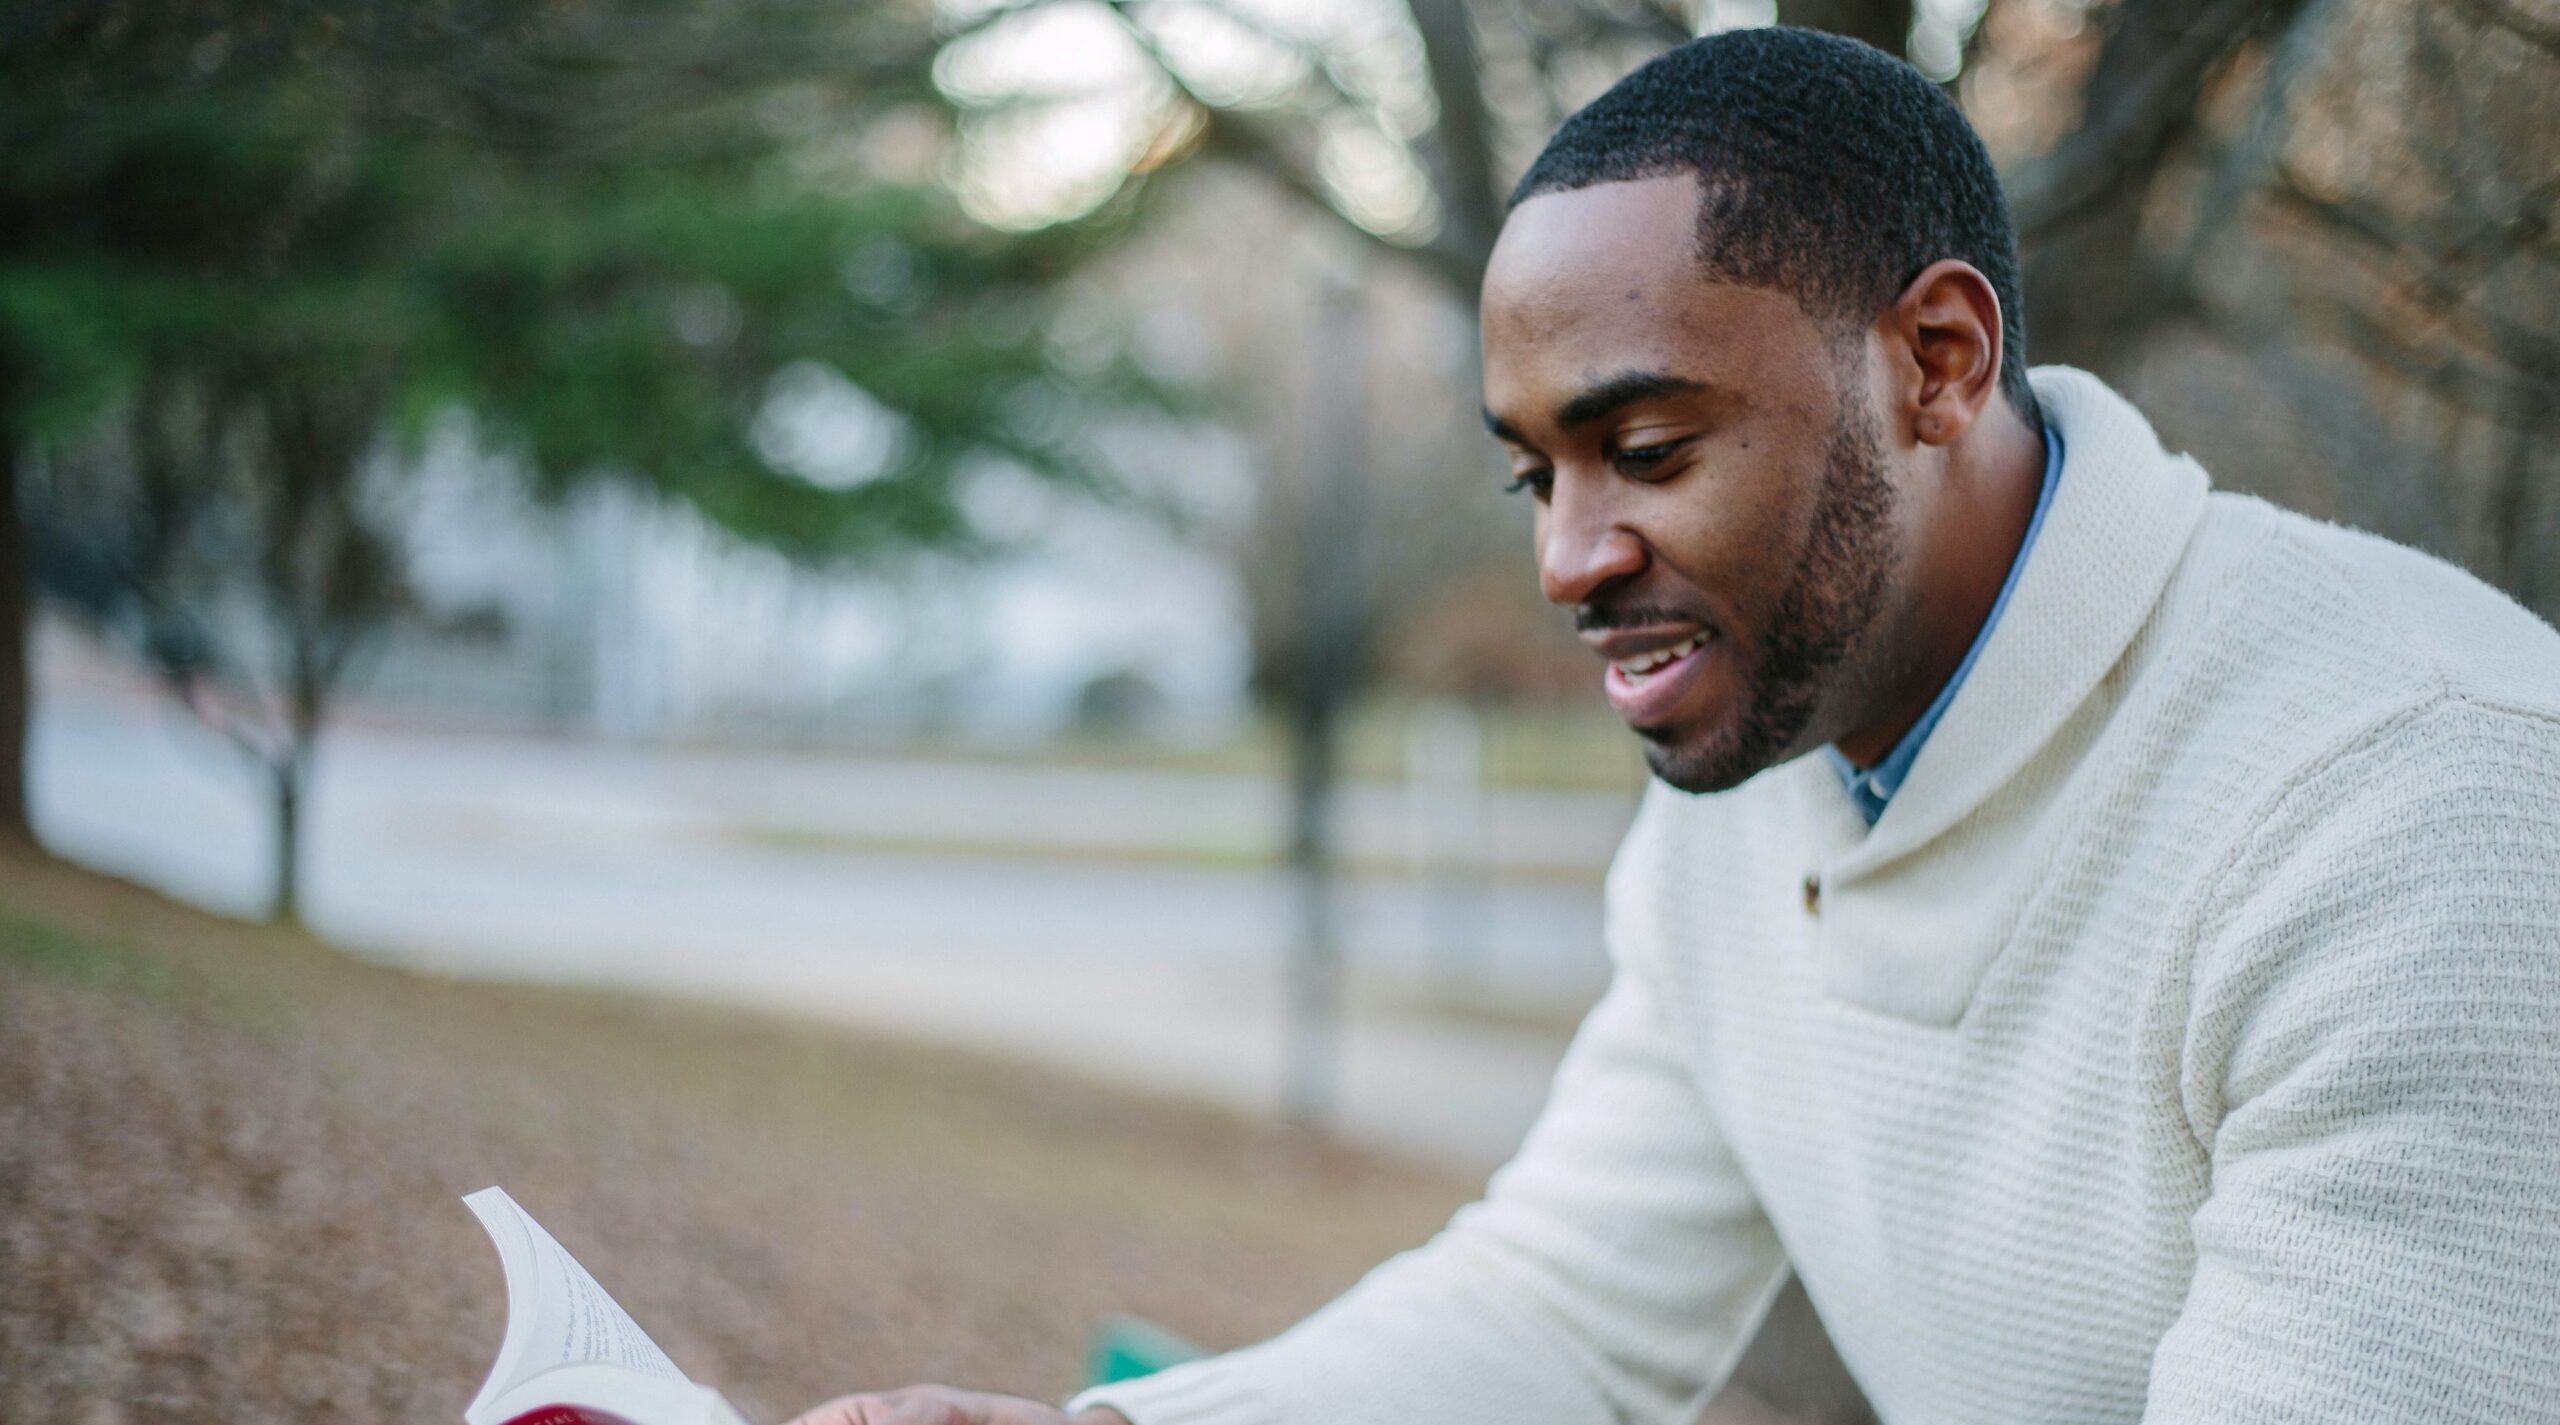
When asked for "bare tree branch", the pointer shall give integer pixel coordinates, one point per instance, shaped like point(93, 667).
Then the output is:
point(2241, 167)
point(253, 738)
point(1239, 138)
point(1248, 141)
point(1459, 148)
point(2499, 15)
point(1319, 64)
point(2445, 282)
point(2132, 124)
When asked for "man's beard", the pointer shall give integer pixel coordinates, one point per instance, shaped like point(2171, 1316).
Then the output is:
point(1819, 620)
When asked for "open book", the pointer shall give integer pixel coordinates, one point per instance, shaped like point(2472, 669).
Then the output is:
point(571, 1356)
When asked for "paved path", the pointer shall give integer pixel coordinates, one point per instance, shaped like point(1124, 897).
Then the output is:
point(787, 881)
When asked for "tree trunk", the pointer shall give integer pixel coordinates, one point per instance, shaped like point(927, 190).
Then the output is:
point(311, 672)
point(1315, 971)
point(1447, 811)
point(285, 908)
point(2516, 559)
point(1886, 24)
point(1333, 614)
point(17, 610)
point(2094, 289)
point(1460, 148)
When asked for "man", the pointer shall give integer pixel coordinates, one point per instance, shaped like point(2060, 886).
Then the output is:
point(2102, 936)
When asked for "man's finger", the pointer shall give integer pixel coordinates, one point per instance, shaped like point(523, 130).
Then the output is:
point(904, 1407)
point(845, 1410)
point(916, 1405)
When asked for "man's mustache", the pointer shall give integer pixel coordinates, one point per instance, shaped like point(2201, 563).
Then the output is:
point(1595, 617)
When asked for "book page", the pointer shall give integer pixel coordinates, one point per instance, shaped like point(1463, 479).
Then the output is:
point(609, 1395)
point(580, 1323)
point(557, 1314)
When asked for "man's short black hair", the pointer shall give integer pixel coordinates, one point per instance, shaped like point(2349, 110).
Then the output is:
point(1831, 171)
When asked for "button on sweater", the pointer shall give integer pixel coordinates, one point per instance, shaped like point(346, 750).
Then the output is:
point(2182, 1043)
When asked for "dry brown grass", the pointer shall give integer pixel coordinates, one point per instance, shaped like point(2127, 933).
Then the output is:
point(230, 1159)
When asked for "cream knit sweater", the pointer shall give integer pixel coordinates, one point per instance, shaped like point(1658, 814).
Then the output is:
point(2183, 1044)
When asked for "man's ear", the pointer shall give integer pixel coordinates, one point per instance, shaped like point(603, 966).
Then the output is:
point(1945, 336)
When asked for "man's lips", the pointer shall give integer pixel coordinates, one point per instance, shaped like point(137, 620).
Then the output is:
point(1651, 670)
point(1620, 641)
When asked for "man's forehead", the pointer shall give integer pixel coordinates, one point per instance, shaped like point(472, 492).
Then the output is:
point(1576, 242)
point(1589, 284)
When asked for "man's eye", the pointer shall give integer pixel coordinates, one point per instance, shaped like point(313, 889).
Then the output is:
point(1637, 459)
point(1535, 482)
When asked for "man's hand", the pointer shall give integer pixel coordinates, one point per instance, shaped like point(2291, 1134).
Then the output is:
point(941, 1405)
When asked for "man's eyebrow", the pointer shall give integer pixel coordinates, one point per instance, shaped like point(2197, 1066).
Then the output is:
point(1624, 389)
point(1502, 429)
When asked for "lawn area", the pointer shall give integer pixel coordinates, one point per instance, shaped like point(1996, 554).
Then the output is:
point(230, 1159)
point(1577, 746)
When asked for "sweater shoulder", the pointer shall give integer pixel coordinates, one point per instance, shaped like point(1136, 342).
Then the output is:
point(2410, 875)
point(2395, 731)
point(2283, 644)
point(2378, 805)
point(2431, 618)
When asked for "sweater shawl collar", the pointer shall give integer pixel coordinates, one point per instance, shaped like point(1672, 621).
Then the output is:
point(2120, 521)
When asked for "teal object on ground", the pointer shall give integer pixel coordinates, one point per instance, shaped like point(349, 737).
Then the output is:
point(1125, 1348)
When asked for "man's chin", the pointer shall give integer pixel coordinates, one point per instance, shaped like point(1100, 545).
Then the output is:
point(1698, 762)
point(1723, 754)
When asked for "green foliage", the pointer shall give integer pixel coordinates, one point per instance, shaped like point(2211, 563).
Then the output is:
point(635, 327)
point(242, 242)
point(602, 227)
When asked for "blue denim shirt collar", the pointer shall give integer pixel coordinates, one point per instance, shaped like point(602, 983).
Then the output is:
point(1870, 788)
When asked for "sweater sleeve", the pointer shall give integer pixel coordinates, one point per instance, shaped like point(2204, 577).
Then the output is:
point(2374, 1069)
point(1612, 1272)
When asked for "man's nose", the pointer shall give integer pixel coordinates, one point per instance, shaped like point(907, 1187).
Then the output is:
point(1582, 547)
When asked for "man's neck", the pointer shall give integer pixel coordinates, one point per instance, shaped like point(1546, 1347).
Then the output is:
point(1978, 519)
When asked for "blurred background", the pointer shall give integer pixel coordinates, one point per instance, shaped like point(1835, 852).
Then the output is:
point(538, 536)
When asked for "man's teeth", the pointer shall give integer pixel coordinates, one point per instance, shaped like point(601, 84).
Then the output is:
point(1644, 663)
